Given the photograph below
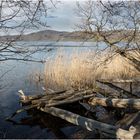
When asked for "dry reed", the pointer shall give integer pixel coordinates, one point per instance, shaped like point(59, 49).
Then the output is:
point(80, 69)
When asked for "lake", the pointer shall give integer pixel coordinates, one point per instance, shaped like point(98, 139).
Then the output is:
point(23, 75)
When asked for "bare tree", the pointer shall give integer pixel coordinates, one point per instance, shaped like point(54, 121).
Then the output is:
point(20, 16)
point(113, 22)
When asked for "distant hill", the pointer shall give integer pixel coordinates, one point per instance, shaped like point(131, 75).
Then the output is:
point(48, 35)
point(52, 35)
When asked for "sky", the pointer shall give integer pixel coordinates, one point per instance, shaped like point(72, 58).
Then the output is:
point(64, 17)
point(60, 18)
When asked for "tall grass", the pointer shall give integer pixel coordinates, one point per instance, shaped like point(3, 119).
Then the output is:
point(80, 69)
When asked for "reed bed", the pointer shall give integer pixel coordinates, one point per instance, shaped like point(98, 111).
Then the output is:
point(80, 69)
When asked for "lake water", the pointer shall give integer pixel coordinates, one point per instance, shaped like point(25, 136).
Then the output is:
point(22, 75)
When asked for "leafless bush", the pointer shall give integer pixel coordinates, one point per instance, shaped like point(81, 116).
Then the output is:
point(114, 23)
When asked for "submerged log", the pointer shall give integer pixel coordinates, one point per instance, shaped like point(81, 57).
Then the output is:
point(120, 103)
point(87, 123)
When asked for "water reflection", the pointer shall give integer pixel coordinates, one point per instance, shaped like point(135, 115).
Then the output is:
point(53, 127)
point(37, 118)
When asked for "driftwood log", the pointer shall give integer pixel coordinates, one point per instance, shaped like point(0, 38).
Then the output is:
point(90, 124)
point(57, 99)
point(48, 102)
point(120, 103)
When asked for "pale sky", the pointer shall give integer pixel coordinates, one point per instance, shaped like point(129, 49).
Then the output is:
point(61, 18)
point(64, 17)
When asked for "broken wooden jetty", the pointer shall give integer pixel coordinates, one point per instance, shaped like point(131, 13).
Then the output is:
point(94, 101)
